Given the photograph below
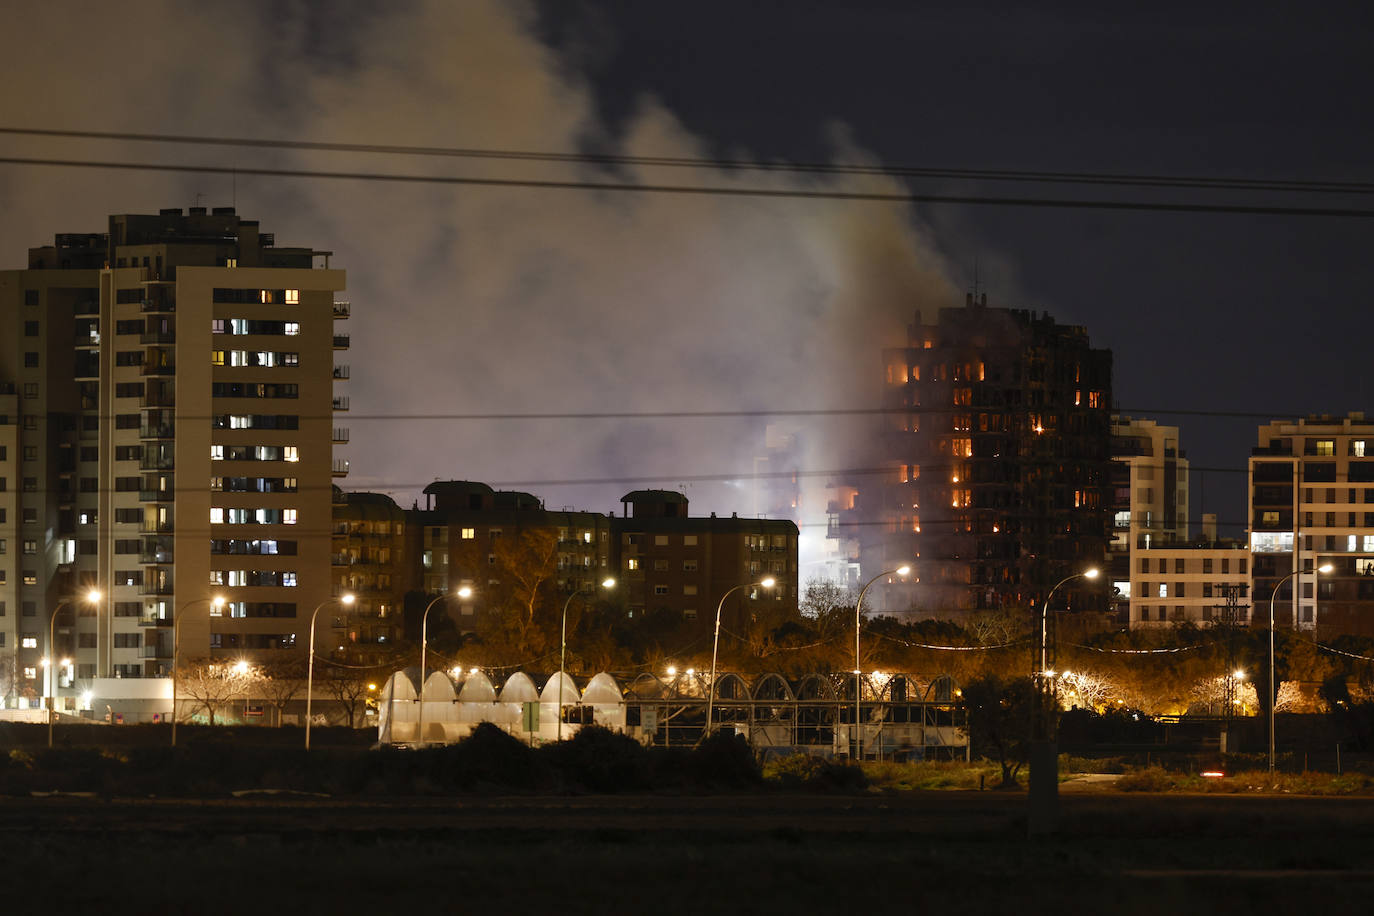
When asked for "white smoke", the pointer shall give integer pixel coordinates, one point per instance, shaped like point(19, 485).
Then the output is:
point(487, 300)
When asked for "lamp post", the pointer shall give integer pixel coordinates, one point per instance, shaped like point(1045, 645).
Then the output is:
point(345, 600)
point(463, 592)
point(215, 602)
point(902, 570)
point(1043, 791)
point(607, 583)
point(1273, 697)
point(769, 582)
point(51, 662)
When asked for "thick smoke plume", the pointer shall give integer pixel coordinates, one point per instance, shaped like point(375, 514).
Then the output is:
point(488, 300)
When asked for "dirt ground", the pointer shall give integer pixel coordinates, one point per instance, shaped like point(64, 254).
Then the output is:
point(961, 852)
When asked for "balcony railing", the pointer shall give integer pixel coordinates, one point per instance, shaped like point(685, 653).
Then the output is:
point(155, 621)
point(340, 341)
point(158, 431)
point(341, 371)
point(155, 369)
point(156, 588)
point(155, 462)
point(158, 337)
point(152, 526)
point(155, 651)
point(341, 403)
point(342, 310)
point(340, 434)
point(156, 496)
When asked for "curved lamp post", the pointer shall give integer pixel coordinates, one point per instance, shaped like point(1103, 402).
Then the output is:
point(607, 583)
point(1045, 613)
point(1273, 698)
point(769, 582)
point(463, 592)
point(215, 602)
point(344, 600)
point(903, 570)
point(91, 597)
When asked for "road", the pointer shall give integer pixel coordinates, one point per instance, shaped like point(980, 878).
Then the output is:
point(960, 852)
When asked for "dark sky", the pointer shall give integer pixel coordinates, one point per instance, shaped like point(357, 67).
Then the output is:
point(469, 300)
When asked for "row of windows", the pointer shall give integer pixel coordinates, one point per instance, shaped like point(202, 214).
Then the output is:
point(222, 516)
point(256, 296)
point(1179, 590)
point(254, 390)
point(660, 540)
point(256, 421)
point(264, 547)
point(271, 578)
point(238, 326)
point(263, 358)
point(253, 484)
point(1182, 565)
point(254, 453)
point(633, 563)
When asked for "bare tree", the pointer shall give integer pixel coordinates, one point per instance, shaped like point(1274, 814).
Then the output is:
point(352, 688)
point(281, 682)
point(213, 685)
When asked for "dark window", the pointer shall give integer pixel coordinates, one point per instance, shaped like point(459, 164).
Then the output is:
point(30, 359)
point(30, 329)
point(30, 297)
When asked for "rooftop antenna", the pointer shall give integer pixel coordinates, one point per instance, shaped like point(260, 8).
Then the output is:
point(975, 278)
point(199, 195)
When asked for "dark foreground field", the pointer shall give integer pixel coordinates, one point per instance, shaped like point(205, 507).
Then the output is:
point(945, 852)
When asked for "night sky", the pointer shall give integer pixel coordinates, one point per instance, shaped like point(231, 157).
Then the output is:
point(501, 300)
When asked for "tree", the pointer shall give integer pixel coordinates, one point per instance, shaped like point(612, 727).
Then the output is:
point(520, 602)
point(999, 717)
point(352, 688)
point(282, 681)
point(213, 685)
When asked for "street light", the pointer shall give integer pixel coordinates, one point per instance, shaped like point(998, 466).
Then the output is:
point(345, 600)
point(216, 602)
point(607, 583)
point(1045, 613)
point(769, 582)
point(903, 571)
point(91, 597)
point(463, 592)
point(1273, 698)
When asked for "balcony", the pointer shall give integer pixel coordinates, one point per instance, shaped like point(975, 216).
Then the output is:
point(340, 434)
point(341, 372)
point(154, 526)
point(340, 341)
point(158, 299)
point(156, 589)
point(341, 403)
point(156, 462)
point(156, 551)
point(156, 496)
point(160, 431)
point(158, 337)
point(155, 621)
point(158, 369)
point(89, 338)
point(155, 652)
point(342, 310)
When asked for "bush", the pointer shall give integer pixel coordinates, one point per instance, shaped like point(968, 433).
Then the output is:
point(1147, 779)
point(725, 762)
point(599, 760)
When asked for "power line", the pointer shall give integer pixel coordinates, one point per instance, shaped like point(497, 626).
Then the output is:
point(698, 190)
point(1170, 181)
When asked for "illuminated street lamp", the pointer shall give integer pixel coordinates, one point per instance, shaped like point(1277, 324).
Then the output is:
point(344, 600)
point(217, 603)
point(463, 592)
point(607, 583)
point(903, 571)
point(91, 597)
point(769, 582)
point(1045, 613)
point(1273, 697)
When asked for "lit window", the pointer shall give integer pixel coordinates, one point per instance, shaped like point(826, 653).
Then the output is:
point(1326, 446)
point(660, 540)
point(292, 327)
point(293, 296)
point(1357, 448)
point(288, 516)
point(1163, 590)
point(31, 674)
point(632, 563)
point(290, 453)
point(689, 540)
point(1350, 543)
point(29, 642)
point(216, 483)
point(216, 515)
point(266, 296)
point(217, 357)
point(469, 534)
point(216, 453)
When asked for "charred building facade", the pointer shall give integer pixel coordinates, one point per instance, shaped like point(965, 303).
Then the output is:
point(996, 464)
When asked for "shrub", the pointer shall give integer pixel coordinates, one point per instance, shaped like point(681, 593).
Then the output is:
point(599, 760)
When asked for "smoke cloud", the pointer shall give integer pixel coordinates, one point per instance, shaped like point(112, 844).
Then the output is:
point(489, 300)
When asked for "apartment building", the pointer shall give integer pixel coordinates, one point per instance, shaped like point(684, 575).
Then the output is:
point(174, 396)
point(1204, 584)
point(996, 464)
point(370, 563)
point(1149, 479)
point(1311, 496)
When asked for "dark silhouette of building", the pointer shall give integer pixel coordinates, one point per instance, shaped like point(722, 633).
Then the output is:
point(995, 464)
